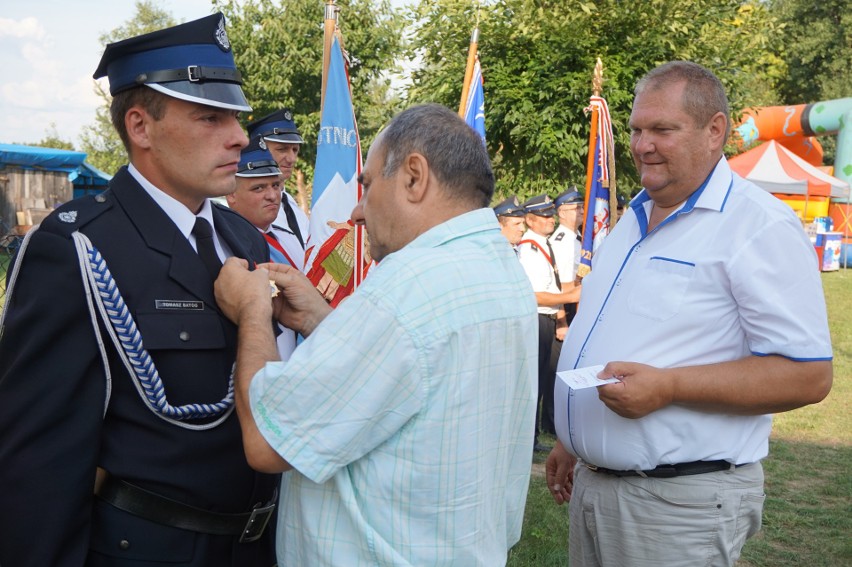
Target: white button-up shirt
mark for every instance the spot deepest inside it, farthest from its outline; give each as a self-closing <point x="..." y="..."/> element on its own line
<point x="536" y="263"/>
<point x="566" y="248"/>
<point x="730" y="274"/>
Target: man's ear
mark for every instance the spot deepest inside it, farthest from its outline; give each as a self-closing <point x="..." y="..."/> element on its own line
<point x="718" y="127"/>
<point x="415" y="170"/>
<point x="136" y="122"/>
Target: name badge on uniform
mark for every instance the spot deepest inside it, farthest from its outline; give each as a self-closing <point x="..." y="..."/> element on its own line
<point x="179" y="305"/>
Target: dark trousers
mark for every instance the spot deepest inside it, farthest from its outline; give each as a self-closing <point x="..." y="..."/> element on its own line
<point x="546" y="374"/>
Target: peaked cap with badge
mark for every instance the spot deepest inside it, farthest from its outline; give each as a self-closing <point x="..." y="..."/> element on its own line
<point x="256" y="161"/>
<point x="510" y="207"/>
<point x="540" y="205"/>
<point x="568" y="197"/>
<point x="277" y="126"/>
<point x="191" y="61"/>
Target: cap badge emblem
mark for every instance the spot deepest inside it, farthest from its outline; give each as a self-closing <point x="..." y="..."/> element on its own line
<point x="262" y="143"/>
<point x="222" y="36"/>
<point x="288" y="115"/>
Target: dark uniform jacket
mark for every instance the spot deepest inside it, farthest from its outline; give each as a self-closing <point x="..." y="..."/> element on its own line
<point x="53" y="431"/>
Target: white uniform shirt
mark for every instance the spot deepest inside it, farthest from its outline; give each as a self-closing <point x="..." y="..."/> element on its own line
<point x="730" y="274"/>
<point x="567" y="249"/>
<point x="301" y="218"/>
<point x="538" y="268"/>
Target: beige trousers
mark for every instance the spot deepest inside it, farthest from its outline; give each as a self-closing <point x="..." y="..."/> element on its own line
<point x="690" y="521"/>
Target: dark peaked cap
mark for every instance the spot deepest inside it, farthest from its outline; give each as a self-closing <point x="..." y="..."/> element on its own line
<point x="540" y="205"/>
<point x="277" y="126"/>
<point x="191" y="61"/>
<point x="510" y="207"/>
<point x="256" y="161"/>
<point x="569" y="197"/>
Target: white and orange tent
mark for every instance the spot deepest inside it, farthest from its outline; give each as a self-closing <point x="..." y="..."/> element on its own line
<point x="776" y="169"/>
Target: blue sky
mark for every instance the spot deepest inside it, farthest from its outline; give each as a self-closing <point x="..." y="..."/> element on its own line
<point x="48" y="52"/>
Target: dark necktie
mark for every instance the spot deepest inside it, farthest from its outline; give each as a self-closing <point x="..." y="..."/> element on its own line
<point x="203" y="233"/>
<point x="291" y="218"/>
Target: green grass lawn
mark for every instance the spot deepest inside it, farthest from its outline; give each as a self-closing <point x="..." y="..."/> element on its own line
<point x="807" y="518"/>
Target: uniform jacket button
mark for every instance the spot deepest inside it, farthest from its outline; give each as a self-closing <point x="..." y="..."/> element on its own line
<point x="124" y="545"/>
<point x="184" y="336"/>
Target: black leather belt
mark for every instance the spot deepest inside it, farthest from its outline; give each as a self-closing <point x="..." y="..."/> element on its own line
<point x="670" y="471"/>
<point x="156" y="508"/>
<point x="548" y="315"/>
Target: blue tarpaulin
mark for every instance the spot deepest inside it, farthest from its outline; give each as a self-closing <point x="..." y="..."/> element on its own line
<point x="84" y="177"/>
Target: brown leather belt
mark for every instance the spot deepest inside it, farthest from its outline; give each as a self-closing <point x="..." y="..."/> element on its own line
<point x="162" y="510"/>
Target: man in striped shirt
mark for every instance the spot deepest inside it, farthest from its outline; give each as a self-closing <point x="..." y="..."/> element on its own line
<point x="406" y="416"/>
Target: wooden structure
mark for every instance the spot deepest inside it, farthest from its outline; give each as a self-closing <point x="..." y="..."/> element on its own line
<point x="35" y="180"/>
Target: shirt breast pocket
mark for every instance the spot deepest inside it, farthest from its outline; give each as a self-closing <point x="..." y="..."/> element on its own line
<point x="659" y="290"/>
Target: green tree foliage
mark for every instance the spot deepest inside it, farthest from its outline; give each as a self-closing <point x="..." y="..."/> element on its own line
<point x="817" y="49"/>
<point x="100" y="140"/>
<point x="278" y="46"/>
<point x="538" y="56"/>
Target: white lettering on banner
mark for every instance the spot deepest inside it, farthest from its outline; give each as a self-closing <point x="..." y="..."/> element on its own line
<point x="337" y="135"/>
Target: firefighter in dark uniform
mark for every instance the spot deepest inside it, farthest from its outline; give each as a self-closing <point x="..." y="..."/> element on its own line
<point x="119" y="442"/>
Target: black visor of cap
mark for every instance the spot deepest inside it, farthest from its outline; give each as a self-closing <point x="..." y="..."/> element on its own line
<point x="284" y="137"/>
<point x="259" y="169"/>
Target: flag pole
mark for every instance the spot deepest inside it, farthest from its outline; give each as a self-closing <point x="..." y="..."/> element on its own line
<point x="597" y="83"/>
<point x="588" y="221"/>
<point x="329" y="25"/>
<point x="468" y="71"/>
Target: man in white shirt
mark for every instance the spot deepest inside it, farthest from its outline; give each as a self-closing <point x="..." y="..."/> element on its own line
<point x="258" y="198"/>
<point x="567" y="246"/>
<point x="538" y="259"/>
<point x="278" y="129"/>
<point x="706" y="303"/>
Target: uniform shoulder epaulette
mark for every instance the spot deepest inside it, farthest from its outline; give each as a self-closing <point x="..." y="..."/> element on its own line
<point x="558" y="237"/>
<point x="532" y="244"/>
<point x="77" y="213"/>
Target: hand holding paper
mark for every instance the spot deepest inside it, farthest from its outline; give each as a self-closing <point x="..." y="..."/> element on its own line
<point x="587" y="377"/>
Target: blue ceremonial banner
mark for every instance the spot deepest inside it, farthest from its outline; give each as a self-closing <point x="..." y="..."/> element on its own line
<point x="334" y="247"/>
<point x="474" y="112"/>
<point x="599" y="180"/>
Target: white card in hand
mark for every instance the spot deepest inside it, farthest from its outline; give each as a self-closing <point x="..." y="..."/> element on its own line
<point x="584" y="377"/>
